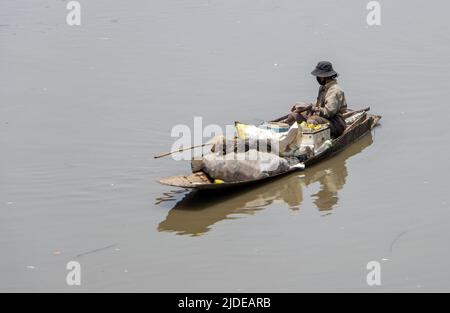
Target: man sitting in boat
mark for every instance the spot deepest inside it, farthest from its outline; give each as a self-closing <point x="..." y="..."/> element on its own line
<point x="330" y="104"/>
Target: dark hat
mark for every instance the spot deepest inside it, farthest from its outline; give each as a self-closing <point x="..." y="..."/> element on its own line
<point x="324" y="69"/>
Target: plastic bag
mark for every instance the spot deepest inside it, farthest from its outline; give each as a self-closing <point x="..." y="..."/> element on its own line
<point x="278" y="141"/>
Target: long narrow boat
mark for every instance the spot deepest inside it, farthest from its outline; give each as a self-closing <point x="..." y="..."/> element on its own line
<point x="201" y="181"/>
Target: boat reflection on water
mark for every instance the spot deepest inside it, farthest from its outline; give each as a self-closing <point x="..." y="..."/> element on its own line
<point x="195" y="213"/>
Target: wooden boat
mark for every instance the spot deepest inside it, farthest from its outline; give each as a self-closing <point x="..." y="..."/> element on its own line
<point x="354" y="131"/>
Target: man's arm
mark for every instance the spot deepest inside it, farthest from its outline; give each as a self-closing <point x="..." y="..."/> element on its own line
<point x="300" y="107"/>
<point x="333" y="100"/>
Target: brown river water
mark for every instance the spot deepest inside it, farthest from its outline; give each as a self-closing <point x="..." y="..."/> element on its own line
<point x="84" y="108"/>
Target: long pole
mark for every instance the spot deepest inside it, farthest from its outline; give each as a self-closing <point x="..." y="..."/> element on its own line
<point x="181" y="150"/>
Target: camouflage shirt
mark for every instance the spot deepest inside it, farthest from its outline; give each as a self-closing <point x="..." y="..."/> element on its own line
<point x="331" y="100"/>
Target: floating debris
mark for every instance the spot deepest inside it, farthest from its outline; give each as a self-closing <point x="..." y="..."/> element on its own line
<point x="96" y="250"/>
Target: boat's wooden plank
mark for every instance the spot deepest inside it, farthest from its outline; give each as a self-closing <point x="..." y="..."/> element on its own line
<point x="376" y="119"/>
<point x="187" y="181"/>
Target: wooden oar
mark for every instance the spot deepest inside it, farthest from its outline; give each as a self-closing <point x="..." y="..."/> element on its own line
<point x="280" y="119"/>
<point x="345" y="115"/>
<point x="181" y="150"/>
<point x="348" y="114"/>
<point x="355" y="123"/>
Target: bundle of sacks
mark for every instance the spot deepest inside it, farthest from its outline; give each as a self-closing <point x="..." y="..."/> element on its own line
<point x="249" y="165"/>
<point x="254" y="154"/>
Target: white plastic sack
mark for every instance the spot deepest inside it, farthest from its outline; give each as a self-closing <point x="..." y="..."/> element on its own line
<point x="243" y="166"/>
<point x="277" y="140"/>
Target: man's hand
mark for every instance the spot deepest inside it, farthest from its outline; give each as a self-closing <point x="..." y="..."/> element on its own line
<point x="300" y="107"/>
<point x="309" y="107"/>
